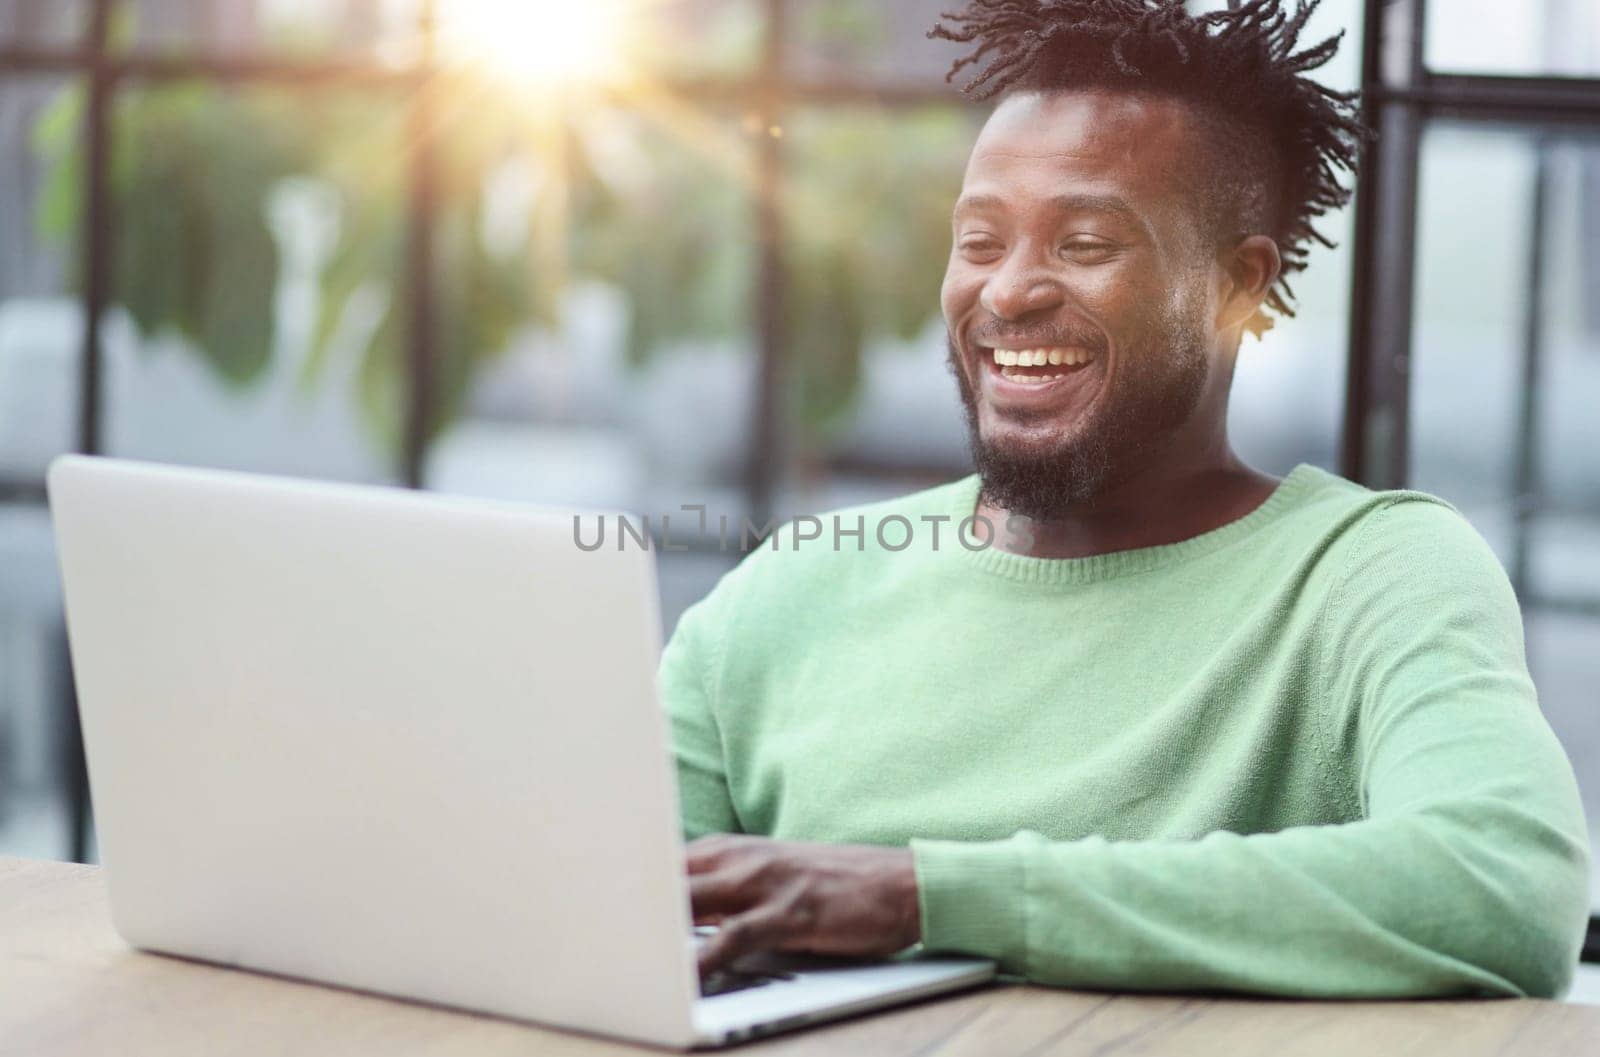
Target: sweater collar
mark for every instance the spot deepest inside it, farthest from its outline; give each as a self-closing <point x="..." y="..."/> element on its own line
<point x="1301" y="481"/>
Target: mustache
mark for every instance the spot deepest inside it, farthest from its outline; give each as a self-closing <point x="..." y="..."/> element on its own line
<point x="1078" y="335"/>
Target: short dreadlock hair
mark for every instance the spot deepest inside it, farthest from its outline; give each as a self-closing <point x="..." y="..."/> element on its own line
<point x="1238" y="69"/>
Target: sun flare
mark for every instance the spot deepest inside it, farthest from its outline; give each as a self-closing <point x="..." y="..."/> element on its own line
<point x="545" y="42"/>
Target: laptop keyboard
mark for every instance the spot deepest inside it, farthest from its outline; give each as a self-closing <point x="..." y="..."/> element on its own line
<point x="727" y="981"/>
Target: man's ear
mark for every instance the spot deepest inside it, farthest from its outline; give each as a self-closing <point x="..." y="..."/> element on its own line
<point x="1252" y="266"/>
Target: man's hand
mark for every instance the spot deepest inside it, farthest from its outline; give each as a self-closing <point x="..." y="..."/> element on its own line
<point x="767" y="895"/>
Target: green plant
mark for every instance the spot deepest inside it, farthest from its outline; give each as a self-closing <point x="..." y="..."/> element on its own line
<point x="865" y="211"/>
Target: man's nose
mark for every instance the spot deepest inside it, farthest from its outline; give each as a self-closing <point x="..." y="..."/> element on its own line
<point x="1022" y="286"/>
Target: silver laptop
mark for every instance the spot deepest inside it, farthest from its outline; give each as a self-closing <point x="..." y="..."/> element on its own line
<point x="401" y="743"/>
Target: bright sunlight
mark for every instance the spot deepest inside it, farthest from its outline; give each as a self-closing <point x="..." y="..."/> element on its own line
<point x="553" y="42"/>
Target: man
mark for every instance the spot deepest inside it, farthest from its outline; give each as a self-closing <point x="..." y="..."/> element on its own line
<point x="1181" y="725"/>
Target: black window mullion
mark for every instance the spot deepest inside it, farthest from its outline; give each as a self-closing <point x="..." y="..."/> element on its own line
<point x="1375" y="436"/>
<point x="422" y="207"/>
<point x="1525" y="486"/>
<point x="95" y="267"/>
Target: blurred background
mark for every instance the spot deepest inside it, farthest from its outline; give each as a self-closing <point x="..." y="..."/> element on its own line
<point x="641" y="253"/>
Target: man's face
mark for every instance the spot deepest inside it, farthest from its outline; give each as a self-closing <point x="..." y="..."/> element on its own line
<point x="1078" y="233"/>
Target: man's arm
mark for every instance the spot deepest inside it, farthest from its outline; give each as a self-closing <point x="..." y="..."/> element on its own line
<point x="686" y="663"/>
<point x="1467" y="874"/>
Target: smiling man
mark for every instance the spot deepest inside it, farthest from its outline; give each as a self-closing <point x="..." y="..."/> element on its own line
<point x="1180" y="724"/>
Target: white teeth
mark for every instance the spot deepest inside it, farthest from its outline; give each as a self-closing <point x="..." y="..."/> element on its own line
<point x="1040" y="357"/>
<point x="1028" y="379"/>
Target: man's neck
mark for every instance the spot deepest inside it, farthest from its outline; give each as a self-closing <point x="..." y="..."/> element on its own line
<point x="1168" y="503"/>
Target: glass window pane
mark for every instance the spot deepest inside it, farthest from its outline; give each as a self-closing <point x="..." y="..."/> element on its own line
<point x="53" y="24"/>
<point x="259" y="302"/>
<point x="1517" y="458"/>
<point x="676" y="37"/>
<point x="873" y="411"/>
<point x="290" y="28"/>
<point x="699" y="38"/>
<point x="41" y="316"/>
<point x="1287" y="401"/>
<point x="41" y="330"/>
<point x="1532" y="37"/>
<point x="872" y="41"/>
<point x="595" y="337"/>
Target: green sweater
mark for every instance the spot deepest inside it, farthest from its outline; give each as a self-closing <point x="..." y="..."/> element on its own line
<point x="1298" y="754"/>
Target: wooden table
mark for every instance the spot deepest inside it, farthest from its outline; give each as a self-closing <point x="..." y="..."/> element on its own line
<point x="69" y="985"/>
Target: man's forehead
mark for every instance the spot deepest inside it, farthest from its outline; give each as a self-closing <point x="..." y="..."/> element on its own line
<point x="1115" y="133"/>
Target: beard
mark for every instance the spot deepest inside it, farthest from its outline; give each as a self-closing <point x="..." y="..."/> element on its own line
<point x="1161" y="378"/>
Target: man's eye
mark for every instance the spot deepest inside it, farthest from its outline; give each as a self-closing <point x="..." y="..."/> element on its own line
<point x="979" y="248"/>
<point x="1089" y="249"/>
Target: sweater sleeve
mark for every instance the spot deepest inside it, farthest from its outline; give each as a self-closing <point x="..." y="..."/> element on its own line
<point x="684" y="679"/>
<point x="1465" y="872"/>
